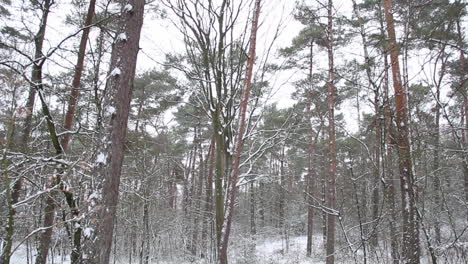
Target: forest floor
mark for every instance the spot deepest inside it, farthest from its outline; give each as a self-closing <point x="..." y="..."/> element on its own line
<point x="267" y="251"/>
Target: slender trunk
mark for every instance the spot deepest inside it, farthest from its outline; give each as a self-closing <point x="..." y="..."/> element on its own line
<point x="410" y="243"/>
<point x="123" y="63"/>
<point x="331" y="186"/>
<point x="220" y="170"/>
<point x="465" y="144"/>
<point x="253" y="228"/>
<point x="281" y="192"/>
<point x="188" y="191"/>
<point x="36" y="75"/>
<point x="198" y="197"/>
<point x="464" y="112"/>
<point x="9" y="228"/>
<point x="232" y="191"/>
<point x="208" y="214"/>
<point x="376" y="179"/>
<point x="75" y="91"/>
<point x="261" y="189"/>
<point x="68" y="124"/>
<point x="144" y="253"/>
<point x="311" y="156"/>
<point x="323" y="180"/>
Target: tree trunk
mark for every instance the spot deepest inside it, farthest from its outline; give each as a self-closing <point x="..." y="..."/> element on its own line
<point x="311" y="174"/>
<point x="75" y="256"/>
<point x="9" y="227"/>
<point x="281" y="191"/>
<point x="197" y="200"/>
<point x="208" y="214"/>
<point x="253" y="227"/>
<point x="323" y="188"/>
<point x="331" y="186"/>
<point x="220" y="170"/>
<point x="75" y="91"/>
<point x="123" y="62"/>
<point x="188" y="192"/>
<point x="232" y="191"/>
<point x="465" y="145"/>
<point x="410" y="243"/>
<point x="464" y="112"/>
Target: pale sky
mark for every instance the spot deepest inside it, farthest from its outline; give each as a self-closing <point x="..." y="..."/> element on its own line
<point x="161" y="36"/>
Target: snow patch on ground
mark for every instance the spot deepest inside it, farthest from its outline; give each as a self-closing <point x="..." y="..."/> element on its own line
<point x="20" y="256"/>
<point x="277" y="251"/>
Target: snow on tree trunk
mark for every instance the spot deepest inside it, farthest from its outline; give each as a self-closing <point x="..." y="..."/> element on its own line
<point x="120" y="86"/>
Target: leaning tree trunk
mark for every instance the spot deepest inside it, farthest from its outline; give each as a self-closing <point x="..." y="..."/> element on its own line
<point x="70" y="198"/>
<point x="410" y="243"/>
<point x="232" y="191"/>
<point x="110" y="158"/>
<point x="331" y="184"/>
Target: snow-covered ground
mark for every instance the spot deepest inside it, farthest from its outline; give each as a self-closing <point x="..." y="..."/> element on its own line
<point x="276" y="251"/>
<point x="20" y="257"/>
<point x="269" y="251"/>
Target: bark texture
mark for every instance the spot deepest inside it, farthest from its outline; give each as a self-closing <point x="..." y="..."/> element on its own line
<point x="120" y="86"/>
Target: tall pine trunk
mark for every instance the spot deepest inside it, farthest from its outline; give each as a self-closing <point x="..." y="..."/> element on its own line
<point x="311" y="172"/>
<point x="410" y="243"/>
<point x="120" y="86"/>
<point x="331" y="183"/>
